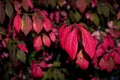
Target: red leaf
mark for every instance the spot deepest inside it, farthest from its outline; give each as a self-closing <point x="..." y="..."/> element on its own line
<point x="26" y="24"/>
<point x="46" y="40"/>
<point x="17" y="22"/>
<point x="57" y="17"/>
<point x="94" y="3"/>
<point x="106" y="63"/>
<point x="81" y="61"/>
<point x="71" y="43"/>
<point x="2" y="13"/>
<point x="37" y="43"/>
<point x="61" y="30"/>
<point x="110" y="65"/>
<point x="116" y="56"/>
<point x="22" y="47"/>
<point x="37" y="23"/>
<point x="62" y="33"/>
<point x="89" y="43"/>
<point x="95" y="61"/>
<point x="43" y="64"/>
<point x="47" y="24"/>
<point x="52" y="15"/>
<point x="30" y="3"/>
<point x="102" y="64"/>
<point x="100" y="50"/>
<point x="36" y="70"/>
<point x="81" y="5"/>
<point x="52" y="36"/>
<point x="17" y="6"/>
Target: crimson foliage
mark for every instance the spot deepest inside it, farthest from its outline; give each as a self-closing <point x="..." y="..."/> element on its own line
<point x="59" y="39"/>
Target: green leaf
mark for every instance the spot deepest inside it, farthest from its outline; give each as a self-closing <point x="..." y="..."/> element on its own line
<point x="9" y="9"/>
<point x="56" y="64"/>
<point x="2" y="31"/>
<point x="88" y="2"/>
<point x="12" y="53"/>
<point x="52" y="3"/>
<point x="21" y="56"/>
<point x="117" y="24"/>
<point x="45" y="2"/>
<point x="60" y="2"/>
<point x="99" y="9"/>
<point x="106" y="10"/>
<point x="95" y="19"/>
<point x="71" y="16"/>
<point x="112" y="10"/>
<point x="77" y="16"/>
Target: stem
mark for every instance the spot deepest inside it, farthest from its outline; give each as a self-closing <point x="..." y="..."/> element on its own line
<point x="27" y="14"/>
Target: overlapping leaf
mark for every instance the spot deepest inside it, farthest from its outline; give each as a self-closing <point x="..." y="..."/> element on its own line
<point x="22" y="47"/>
<point x="81" y="61"/>
<point x="89" y="43"/>
<point x="63" y="32"/>
<point x="71" y="44"/>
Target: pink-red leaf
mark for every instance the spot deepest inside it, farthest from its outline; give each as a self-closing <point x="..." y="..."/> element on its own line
<point x="52" y="36"/>
<point x="57" y="17"/>
<point x="37" y="23"/>
<point x="102" y="64"/>
<point x="37" y="43"/>
<point x="17" y="22"/>
<point x="47" y="24"/>
<point x="81" y="5"/>
<point x="71" y="44"/>
<point x="62" y="33"/>
<point x="36" y="70"/>
<point x="30" y="3"/>
<point x="22" y="47"/>
<point x="116" y="56"/>
<point x="81" y="61"/>
<point x="26" y="24"/>
<point x="89" y="43"/>
<point x="46" y="40"/>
